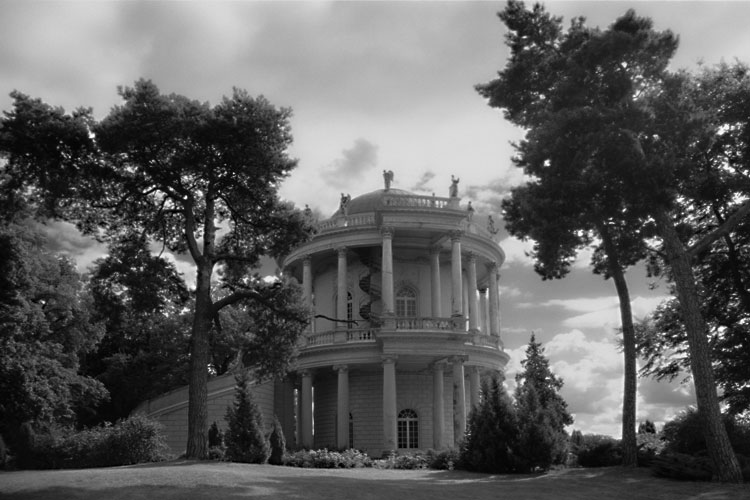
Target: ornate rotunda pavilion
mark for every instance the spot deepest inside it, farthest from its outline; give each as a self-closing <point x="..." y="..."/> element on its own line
<point x="405" y="323"/>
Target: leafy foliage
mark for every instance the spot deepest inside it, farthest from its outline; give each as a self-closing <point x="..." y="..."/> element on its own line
<point x="630" y="148"/>
<point x="130" y="441"/>
<point x="201" y="180"/>
<point x="45" y="329"/>
<point x="598" y="451"/>
<point x="244" y="436"/>
<point x="328" y="459"/>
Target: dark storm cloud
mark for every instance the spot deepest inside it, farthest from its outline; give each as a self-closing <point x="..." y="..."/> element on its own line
<point x="352" y="165"/>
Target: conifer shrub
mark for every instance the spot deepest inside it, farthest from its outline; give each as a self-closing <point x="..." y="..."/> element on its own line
<point x="491" y="435"/>
<point x="216" y="448"/>
<point x="244" y="437"/>
<point x="446" y="459"/>
<point x="277" y="443"/>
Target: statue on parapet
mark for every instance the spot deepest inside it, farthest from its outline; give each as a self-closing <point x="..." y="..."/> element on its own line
<point x="345" y="199"/>
<point x="387" y="178"/>
<point x="470" y="209"/>
<point x="491" y="225"/>
<point x="453" y="190"/>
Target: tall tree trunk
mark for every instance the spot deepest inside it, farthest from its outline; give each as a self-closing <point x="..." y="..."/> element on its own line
<point x="726" y="467"/>
<point x="629" y="442"/>
<point x="197" y="443"/>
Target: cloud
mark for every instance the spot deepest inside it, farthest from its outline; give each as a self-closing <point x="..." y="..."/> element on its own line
<point x="423" y="184"/>
<point x="64" y="238"/>
<point x="352" y="165"/>
<point x="516" y="251"/>
<point x="605" y="311"/>
<point x="592" y="372"/>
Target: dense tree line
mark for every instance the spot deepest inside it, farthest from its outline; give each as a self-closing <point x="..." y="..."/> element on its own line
<point x="631" y="158"/>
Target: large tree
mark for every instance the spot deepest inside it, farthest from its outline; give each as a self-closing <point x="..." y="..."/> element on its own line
<point x="636" y="138"/>
<point x="202" y="180"/>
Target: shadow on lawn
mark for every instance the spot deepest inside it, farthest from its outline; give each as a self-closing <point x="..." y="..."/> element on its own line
<point x="212" y="480"/>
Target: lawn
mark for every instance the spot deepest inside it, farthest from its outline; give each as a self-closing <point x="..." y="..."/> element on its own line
<point x="188" y="480"/>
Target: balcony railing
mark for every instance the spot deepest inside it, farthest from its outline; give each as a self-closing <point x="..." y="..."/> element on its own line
<point x="415" y="324"/>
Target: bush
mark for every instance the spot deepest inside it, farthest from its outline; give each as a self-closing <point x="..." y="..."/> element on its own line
<point x="215" y="436"/>
<point x="407" y="461"/>
<point x="328" y="459"/>
<point x="682" y="466"/>
<point x="130" y="441"/>
<point x="3" y="452"/>
<point x="244" y="438"/>
<point x="444" y="459"/>
<point x="278" y="444"/>
<point x="649" y="447"/>
<point x="684" y="434"/>
<point x="598" y="451"/>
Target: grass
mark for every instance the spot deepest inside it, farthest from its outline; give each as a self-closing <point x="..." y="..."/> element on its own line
<point x="191" y="480"/>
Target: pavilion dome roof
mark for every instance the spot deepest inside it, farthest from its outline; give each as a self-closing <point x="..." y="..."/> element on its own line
<point x="372" y="201"/>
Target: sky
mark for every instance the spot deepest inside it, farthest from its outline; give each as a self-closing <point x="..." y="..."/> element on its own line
<point x="373" y="86"/>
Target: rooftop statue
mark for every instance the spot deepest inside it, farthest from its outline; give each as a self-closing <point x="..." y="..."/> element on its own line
<point x="388" y="178"/>
<point x="453" y="190"/>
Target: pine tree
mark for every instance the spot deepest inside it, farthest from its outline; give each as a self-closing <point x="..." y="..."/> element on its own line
<point x="542" y="413"/>
<point x="244" y="438"/>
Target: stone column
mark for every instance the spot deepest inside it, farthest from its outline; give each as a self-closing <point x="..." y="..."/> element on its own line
<point x="435" y="281"/>
<point x="483" y="311"/>
<point x="459" y="400"/>
<point x="474" y="386"/>
<point x="307" y="287"/>
<point x="438" y="405"/>
<point x="306" y="409"/>
<point x="342" y="290"/>
<point x="494" y="328"/>
<point x="389" y="404"/>
<point x="387" y="271"/>
<point x="473" y="303"/>
<point x="456" y="293"/>
<point x="342" y="422"/>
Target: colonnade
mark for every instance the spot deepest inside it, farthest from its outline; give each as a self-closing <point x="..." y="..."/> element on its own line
<point x="390" y="409"/>
<point x="483" y="311"/>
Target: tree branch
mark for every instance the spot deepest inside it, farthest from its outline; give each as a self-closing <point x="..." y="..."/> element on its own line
<point x="705" y="242"/>
<point x="239" y="295"/>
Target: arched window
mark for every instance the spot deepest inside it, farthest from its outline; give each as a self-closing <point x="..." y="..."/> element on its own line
<point x="406" y="302"/>
<point x="349" y="306"/>
<point x="408" y="429"/>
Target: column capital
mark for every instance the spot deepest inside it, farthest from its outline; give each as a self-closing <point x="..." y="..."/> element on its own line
<point x="387" y="231"/>
<point x="341" y="368"/>
<point x="390" y="359"/>
<point x="305" y="373"/>
<point x="307" y="259"/>
<point x="435" y="249"/>
<point x="459" y="359"/>
<point x="471" y="256"/>
<point x="341" y="251"/>
<point x="491" y="266"/>
<point x="482" y="290"/>
<point x="455" y="235"/>
<point x="439" y="365"/>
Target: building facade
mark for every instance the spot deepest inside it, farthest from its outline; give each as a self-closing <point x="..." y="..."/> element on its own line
<point x="405" y="323"/>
